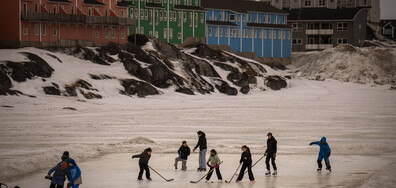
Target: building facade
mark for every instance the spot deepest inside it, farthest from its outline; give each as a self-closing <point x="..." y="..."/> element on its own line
<point x="248" y="27"/>
<point x="372" y="5"/>
<point x="322" y="28"/>
<point x="388" y="29"/>
<point x="173" y="21"/>
<point x="45" y="23"/>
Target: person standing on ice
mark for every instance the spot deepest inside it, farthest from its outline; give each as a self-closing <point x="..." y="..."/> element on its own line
<point x="213" y="163"/>
<point x="271" y="154"/>
<point x="184" y="152"/>
<point x="58" y="178"/>
<point x="73" y="170"/>
<point x="324" y="153"/>
<point x="246" y="161"/>
<point x="144" y="158"/>
<point x="202" y="151"/>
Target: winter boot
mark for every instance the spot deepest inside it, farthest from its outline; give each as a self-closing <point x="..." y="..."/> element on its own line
<point x="268" y="173"/>
<point x="253" y="181"/>
<point x="319" y="170"/>
<point x="140" y="179"/>
<point x="275" y="173"/>
<point x="149" y="179"/>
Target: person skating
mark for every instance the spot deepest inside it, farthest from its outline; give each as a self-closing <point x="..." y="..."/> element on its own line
<point x="74" y="171"/>
<point x="144" y="158"/>
<point x="246" y="160"/>
<point x="202" y="151"/>
<point x="59" y="175"/>
<point x="184" y="152"/>
<point x="324" y="153"/>
<point x="214" y="163"/>
<point x="271" y="154"/>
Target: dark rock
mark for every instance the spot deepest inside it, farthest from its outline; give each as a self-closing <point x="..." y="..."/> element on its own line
<point x="101" y="77"/>
<point x="392" y="88"/>
<point x="88" y="54"/>
<point x="69" y="108"/>
<point x="55" y="85"/>
<point x="140" y="39"/>
<point x="275" y="82"/>
<point x="53" y="56"/>
<point x="83" y="84"/>
<point x="71" y="91"/>
<point x="225" y="88"/>
<point x="288" y="77"/>
<point x="111" y="48"/>
<point x="245" y="90"/>
<point x="6" y="106"/>
<point x="90" y="95"/>
<point x="205" y="52"/>
<point x="5" y="82"/>
<point x="168" y="50"/>
<point x="276" y="65"/>
<point x="134" y="87"/>
<point x="226" y="67"/>
<point x="51" y="90"/>
<point x="185" y="91"/>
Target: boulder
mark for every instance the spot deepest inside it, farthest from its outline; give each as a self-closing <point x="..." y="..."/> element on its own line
<point x="90" y="95"/>
<point x="51" y="90"/>
<point x="5" y="82"/>
<point x="225" y="88"/>
<point x="135" y="87"/>
<point x="140" y="39"/>
<point x="275" y="82"/>
<point x="185" y="91"/>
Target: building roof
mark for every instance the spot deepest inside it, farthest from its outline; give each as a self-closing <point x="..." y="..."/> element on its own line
<point x="154" y="5"/>
<point x="267" y="25"/>
<point x="60" y="1"/>
<point x="183" y="7"/>
<point x="322" y="14"/>
<point x="384" y="22"/>
<point x="240" y="6"/>
<point x="220" y="23"/>
<point x="124" y="4"/>
<point x="93" y="2"/>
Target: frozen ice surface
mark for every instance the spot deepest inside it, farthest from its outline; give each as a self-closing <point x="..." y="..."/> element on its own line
<point x="358" y="120"/>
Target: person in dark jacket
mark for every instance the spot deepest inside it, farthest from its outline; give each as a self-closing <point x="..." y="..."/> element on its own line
<point x="184" y="152"/>
<point x="324" y="153"/>
<point x="271" y="154"/>
<point x="246" y="161"/>
<point x="73" y="170"/>
<point x="202" y="151"/>
<point x="59" y="175"/>
<point x="143" y="163"/>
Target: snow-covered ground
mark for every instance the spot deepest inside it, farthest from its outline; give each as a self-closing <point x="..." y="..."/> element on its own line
<point x="358" y="120"/>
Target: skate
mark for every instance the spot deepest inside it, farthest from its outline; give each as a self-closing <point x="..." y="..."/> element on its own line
<point x="149" y="179"/>
<point x="140" y="179"/>
<point x="175" y="167"/>
<point x="199" y="170"/>
<point x="268" y="173"/>
<point x="238" y="180"/>
<point x="319" y="170"/>
<point x="252" y="181"/>
<point x="329" y="169"/>
<point x="207" y="181"/>
<point x="220" y="181"/>
<point x="275" y="173"/>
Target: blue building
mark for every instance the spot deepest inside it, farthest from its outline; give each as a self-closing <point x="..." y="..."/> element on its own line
<point x="248" y="26"/>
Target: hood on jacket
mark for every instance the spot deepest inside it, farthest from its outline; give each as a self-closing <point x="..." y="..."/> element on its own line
<point x="72" y="162"/>
<point x="323" y="139"/>
<point x="203" y="135"/>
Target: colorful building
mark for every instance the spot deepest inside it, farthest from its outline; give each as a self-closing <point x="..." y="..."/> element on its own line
<point x="248" y="27"/>
<point x="45" y="23"/>
<point x="173" y="21"/>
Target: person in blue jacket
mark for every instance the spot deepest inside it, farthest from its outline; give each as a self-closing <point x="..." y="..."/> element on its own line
<point x="58" y="178"/>
<point x="75" y="174"/>
<point x="324" y="153"/>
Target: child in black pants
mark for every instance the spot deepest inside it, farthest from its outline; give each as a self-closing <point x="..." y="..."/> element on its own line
<point x="214" y="163"/>
<point x="143" y="163"/>
<point x="246" y="160"/>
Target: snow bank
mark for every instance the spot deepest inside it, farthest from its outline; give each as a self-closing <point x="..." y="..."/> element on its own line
<point x="349" y="64"/>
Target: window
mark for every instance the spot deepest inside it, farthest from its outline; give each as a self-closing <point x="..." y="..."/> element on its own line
<point x="24" y="7"/>
<point x="150" y="33"/>
<point x="151" y="17"/>
<point x="196" y="20"/>
<point x="165" y="14"/>
<point x="156" y="18"/>
<point x="90" y="11"/>
<point x="307" y="3"/>
<point x="274" y="35"/>
<point x="363" y="2"/>
<point x="146" y="14"/>
<point x="322" y="3"/>
<point x="232" y="18"/>
<point x="260" y="34"/>
<point x="161" y="15"/>
<point x="156" y="34"/>
<point x="122" y="35"/>
<point x="97" y="34"/>
<point x="221" y="17"/>
<point x="44" y="30"/>
<point x="196" y="2"/>
<point x="25" y="31"/>
<point x="296" y="26"/>
<point x="131" y="13"/>
<point x="142" y="30"/>
<point x="165" y="33"/>
<point x="232" y="32"/>
<point x="255" y="34"/>
<point x="72" y="10"/>
<point x="288" y="35"/>
<point x="342" y="26"/>
<point x="235" y="33"/>
<point x="179" y="35"/>
<point x="55" y="32"/>
<point x="239" y="33"/>
<point x="170" y="33"/>
<point x="185" y="17"/>
<point x="227" y="35"/>
<point x="360" y="26"/>
<point x="55" y="7"/>
<point x="221" y="32"/>
<point x="179" y="20"/>
<point x="297" y="41"/>
<point x="191" y="19"/>
<point x="269" y="19"/>
<point x="225" y="16"/>
<point x="265" y="34"/>
<point x="202" y="17"/>
<point x="107" y="32"/>
<point x="36" y="7"/>
<point x="113" y="33"/>
<point x="342" y="41"/>
<point x="284" y="35"/>
<point x="210" y="31"/>
<point x="279" y="34"/>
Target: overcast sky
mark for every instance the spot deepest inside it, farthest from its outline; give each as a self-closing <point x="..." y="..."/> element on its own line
<point x="388" y="9"/>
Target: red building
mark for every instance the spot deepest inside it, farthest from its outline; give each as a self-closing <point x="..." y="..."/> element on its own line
<point x="46" y="23"/>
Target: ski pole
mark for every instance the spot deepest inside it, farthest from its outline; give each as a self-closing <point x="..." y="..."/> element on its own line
<point x="168" y="180"/>
<point x="234" y="173"/>
<point x="205" y="175"/>
<point x="255" y="163"/>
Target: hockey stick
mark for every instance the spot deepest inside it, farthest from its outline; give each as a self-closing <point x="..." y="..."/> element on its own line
<point x="205" y="175"/>
<point x="160" y="175"/>
<point x="234" y="173"/>
<point x="255" y="163"/>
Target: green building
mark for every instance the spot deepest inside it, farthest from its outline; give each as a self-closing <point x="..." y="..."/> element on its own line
<point x="173" y="21"/>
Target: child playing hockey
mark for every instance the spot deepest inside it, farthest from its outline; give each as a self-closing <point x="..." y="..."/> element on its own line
<point x="324" y="153"/>
<point x="143" y="163"/>
<point x="271" y="154"/>
<point x="184" y="152"/>
<point x="58" y="178"/>
<point x="246" y="161"/>
<point x="75" y="174"/>
<point x="213" y="163"/>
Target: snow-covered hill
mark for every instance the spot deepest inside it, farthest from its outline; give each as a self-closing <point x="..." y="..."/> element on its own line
<point x="348" y="64"/>
<point x="155" y="68"/>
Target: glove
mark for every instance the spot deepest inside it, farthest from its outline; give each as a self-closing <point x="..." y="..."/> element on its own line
<point x="49" y="177"/>
<point x="69" y="184"/>
<point x="265" y="154"/>
<point x="311" y="143"/>
<point x="274" y="154"/>
<point x="217" y="166"/>
<point x="133" y="157"/>
<point x="208" y="164"/>
<point x="193" y="150"/>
